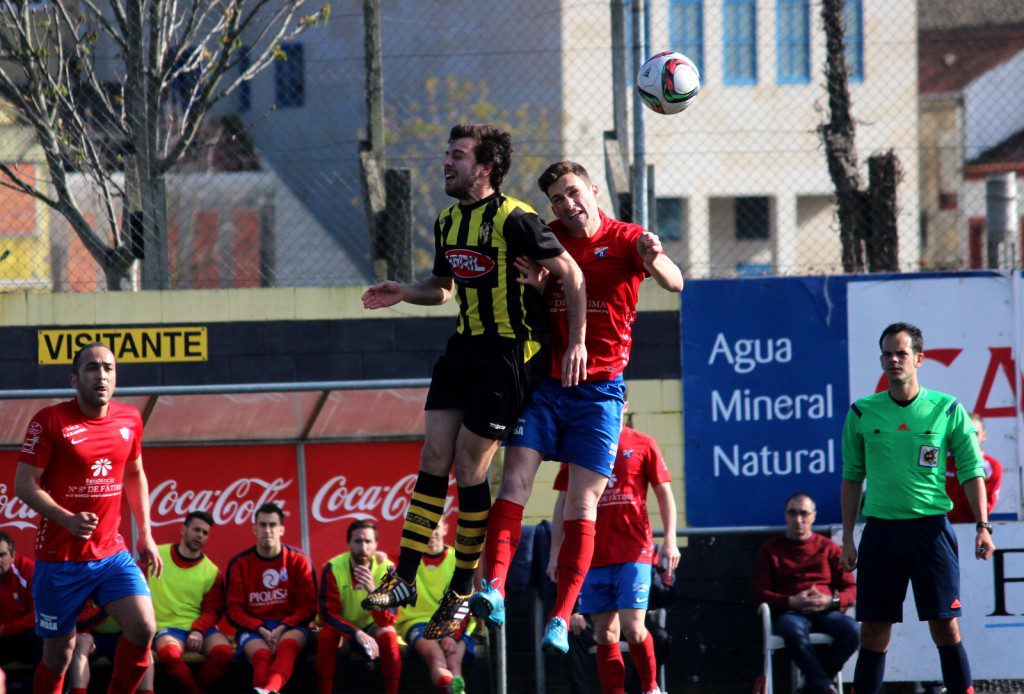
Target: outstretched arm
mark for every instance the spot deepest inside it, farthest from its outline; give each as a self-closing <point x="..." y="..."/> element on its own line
<point x="431" y="291"/>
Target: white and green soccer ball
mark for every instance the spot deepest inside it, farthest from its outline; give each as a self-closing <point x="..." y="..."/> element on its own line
<point x="668" y="82"/>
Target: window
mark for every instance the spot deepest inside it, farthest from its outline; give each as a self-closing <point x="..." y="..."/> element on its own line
<point x="753" y="269"/>
<point x="245" y="88"/>
<point x="739" y="41"/>
<point x="668" y="212"/>
<point x="290" y="76"/>
<point x="752" y="219"/>
<point x="686" y="30"/>
<point x="854" y="17"/>
<point x="793" y="41"/>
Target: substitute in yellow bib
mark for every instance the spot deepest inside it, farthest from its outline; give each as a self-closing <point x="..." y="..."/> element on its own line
<point x="188" y="601"/>
<point x="344" y="582"/>
<point x="443" y="656"/>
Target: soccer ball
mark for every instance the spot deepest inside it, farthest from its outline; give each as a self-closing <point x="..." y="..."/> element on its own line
<point x="668" y="82"/>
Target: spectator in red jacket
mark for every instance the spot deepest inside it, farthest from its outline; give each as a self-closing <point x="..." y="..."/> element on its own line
<point x="271" y="598"/>
<point x="962" y="512"/>
<point x="798" y="574"/>
<point x="18" y="640"/>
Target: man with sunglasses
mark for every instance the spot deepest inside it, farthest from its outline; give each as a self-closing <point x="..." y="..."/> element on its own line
<point x="799" y="575"/>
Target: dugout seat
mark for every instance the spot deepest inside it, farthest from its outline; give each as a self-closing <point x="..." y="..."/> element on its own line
<point x="773" y="643"/>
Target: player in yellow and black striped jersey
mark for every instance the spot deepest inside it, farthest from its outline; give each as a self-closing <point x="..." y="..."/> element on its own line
<point x="491" y="362"/>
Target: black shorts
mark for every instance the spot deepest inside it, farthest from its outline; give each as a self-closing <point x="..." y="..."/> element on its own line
<point x="489" y="379"/>
<point x="922" y="551"/>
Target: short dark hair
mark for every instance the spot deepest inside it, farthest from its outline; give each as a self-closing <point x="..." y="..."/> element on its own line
<point x="6" y="537"/>
<point x="559" y="169"/>
<point x="78" y="354"/>
<point x="269" y="507"/>
<point x="801" y="495"/>
<point x="914" y="332"/>
<point x="495" y="147"/>
<point x="360" y="525"/>
<point x="199" y="515"/>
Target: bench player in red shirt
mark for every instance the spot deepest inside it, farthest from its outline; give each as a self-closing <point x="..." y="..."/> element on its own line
<point x="79" y="459"/>
<point x="577" y="425"/>
<point x="271" y="598"/>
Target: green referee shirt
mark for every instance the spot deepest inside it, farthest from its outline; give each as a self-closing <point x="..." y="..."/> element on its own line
<point x="901" y="451"/>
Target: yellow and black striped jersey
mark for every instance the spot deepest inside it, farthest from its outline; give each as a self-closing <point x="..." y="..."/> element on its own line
<point x="476" y="245"/>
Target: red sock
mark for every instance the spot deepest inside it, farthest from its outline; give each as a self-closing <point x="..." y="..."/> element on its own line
<point x="79" y="690"/>
<point x="170" y="658"/>
<point x="390" y="660"/>
<point x="284" y="662"/>
<point x="130" y="664"/>
<point x="260" y="661"/>
<point x="442" y="683"/>
<point x="326" y="659"/>
<point x="573" y="562"/>
<point x="504" y="528"/>
<point x="646" y="665"/>
<point x="218" y="660"/>
<point x="46" y="681"/>
<point x="611" y="670"/>
<point x="145" y="691"/>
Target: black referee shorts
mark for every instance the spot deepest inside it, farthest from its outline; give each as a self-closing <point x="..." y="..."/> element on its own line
<point x="922" y="551"/>
<point x="488" y="378"/>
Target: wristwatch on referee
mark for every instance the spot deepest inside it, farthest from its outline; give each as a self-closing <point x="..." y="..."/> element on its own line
<point x="982" y="524"/>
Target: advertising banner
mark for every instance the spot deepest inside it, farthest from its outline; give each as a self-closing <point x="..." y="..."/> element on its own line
<point x="355" y="481"/>
<point x="764" y="382"/>
<point x="16" y="519"/>
<point x="229" y="483"/>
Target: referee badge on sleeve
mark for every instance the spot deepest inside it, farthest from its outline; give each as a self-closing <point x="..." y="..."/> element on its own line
<point x="929" y="456"/>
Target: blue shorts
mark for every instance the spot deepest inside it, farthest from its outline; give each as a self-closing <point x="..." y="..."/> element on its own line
<point x="922" y="551"/>
<point x="415" y="633"/>
<point x="60" y="589"/>
<point x="616" y="587"/>
<point x="244" y="637"/>
<point x="578" y="425"/>
<point x="181" y="634"/>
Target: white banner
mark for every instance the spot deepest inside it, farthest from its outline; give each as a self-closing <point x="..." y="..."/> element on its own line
<point x="969" y="325"/>
<point x="992" y="625"/>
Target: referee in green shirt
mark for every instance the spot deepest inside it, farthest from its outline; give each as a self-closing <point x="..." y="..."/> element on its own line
<point x="897" y="440"/>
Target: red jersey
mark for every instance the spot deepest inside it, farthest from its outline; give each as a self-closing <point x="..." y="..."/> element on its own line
<point x="962" y="512"/>
<point x="623" y="528"/>
<point x="17" y="610"/>
<point x="83" y="463"/>
<point x="613" y="271"/>
<point x="261" y="590"/>
<point x="785" y="567"/>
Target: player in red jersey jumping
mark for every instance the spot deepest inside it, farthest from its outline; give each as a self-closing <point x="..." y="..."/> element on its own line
<point x="271" y="598"/>
<point x="578" y="425"/>
<point x="79" y="459"/>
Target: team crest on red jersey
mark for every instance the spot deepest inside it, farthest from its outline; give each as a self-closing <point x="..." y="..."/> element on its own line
<point x="467" y="264"/>
<point x="601" y="252"/>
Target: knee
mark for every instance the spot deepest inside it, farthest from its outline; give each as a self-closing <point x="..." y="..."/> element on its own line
<point x="874" y="636"/>
<point x="582" y="506"/>
<point x="945" y="632"/>
<point x="606" y="636"/>
<point x="514" y="488"/>
<point x="435" y="458"/>
<point x="57" y="653"/>
<point x="790" y="626"/>
<point x="140" y="632"/>
<point x="634" y="633"/>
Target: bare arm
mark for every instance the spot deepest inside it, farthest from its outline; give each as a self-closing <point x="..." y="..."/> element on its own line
<point x="556" y="535"/>
<point x="669" y="559"/>
<point x="136" y="491"/>
<point x="850" y="498"/>
<point x="574" y="362"/>
<point x="431" y="291"/>
<point x="974" y="489"/>
<point x="28" y="489"/>
<point x="665" y="272"/>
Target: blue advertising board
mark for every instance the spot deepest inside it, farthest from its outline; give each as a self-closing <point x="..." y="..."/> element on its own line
<point x="766" y="389"/>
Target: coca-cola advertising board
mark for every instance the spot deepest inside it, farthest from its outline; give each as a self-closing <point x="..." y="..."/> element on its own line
<point x="16" y="519"/>
<point x="229" y="483"/>
<point x="351" y="481"/>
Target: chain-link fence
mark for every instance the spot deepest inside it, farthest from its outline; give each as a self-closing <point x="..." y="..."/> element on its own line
<point x="282" y="181"/>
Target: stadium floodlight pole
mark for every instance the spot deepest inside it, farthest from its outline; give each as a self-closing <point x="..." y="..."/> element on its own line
<point x="639" y="197"/>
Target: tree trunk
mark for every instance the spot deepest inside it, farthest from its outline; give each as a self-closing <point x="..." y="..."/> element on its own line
<point x="884" y="176"/>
